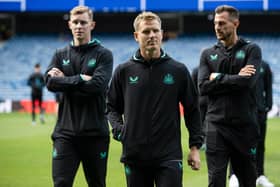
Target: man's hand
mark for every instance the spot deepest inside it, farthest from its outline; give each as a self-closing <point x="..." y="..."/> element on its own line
<point x="247" y="70"/>
<point x="213" y="76"/>
<point x="86" y="77"/>
<point x="194" y="158"/>
<point x="55" y="72"/>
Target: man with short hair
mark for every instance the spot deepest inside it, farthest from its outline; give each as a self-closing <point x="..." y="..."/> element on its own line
<point x="36" y="82"/>
<point x="227" y="75"/>
<point x="143" y="108"/>
<point x="80" y="72"/>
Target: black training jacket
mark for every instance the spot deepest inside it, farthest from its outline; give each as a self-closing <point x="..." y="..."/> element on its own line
<point x="232" y="98"/>
<point x="36" y="82"/>
<point x="143" y="109"/>
<point x="82" y="107"/>
<point x="264" y="88"/>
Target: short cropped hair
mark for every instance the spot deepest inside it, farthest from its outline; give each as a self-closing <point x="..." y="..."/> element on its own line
<point x="145" y="16"/>
<point x="232" y="11"/>
<point x="80" y="10"/>
<point x="37" y="65"/>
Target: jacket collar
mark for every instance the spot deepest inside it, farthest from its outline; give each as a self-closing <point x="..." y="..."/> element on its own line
<point x="138" y="58"/>
<point x="240" y="42"/>
<point x="92" y="43"/>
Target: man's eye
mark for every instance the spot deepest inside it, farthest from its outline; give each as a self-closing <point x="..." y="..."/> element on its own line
<point x="79" y="22"/>
<point x="146" y="32"/>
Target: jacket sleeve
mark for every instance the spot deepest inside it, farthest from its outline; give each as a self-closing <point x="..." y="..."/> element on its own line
<point x="100" y="77"/>
<point x="195" y="76"/>
<point x="42" y="81"/>
<point x="115" y="105"/>
<point x="60" y="84"/>
<point x="189" y="100"/>
<point x="228" y="83"/>
<point x="268" y="87"/>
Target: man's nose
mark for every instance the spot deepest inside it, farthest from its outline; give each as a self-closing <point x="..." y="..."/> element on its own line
<point x="152" y="34"/>
<point x="79" y="24"/>
<point x="217" y="26"/>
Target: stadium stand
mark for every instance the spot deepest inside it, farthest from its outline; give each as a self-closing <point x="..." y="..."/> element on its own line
<point x="20" y="53"/>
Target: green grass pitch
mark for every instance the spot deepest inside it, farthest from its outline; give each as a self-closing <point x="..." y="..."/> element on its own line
<point x="25" y="155"/>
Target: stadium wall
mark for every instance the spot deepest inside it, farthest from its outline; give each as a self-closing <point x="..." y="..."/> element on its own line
<point x="180" y="23"/>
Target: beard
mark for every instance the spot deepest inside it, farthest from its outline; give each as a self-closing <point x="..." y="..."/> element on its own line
<point x="223" y="36"/>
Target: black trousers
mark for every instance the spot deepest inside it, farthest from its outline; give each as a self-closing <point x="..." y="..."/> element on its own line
<point x="218" y="154"/>
<point x="203" y="111"/>
<point x="262" y="117"/>
<point x="35" y="98"/>
<point x="68" y="152"/>
<point x="163" y="174"/>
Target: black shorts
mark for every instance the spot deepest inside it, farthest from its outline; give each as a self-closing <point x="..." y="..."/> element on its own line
<point x="37" y="97"/>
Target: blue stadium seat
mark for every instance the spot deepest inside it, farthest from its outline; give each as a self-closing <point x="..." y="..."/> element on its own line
<point x="19" y="54"/>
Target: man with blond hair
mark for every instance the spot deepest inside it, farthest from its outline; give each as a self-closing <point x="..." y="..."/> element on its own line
<point x="143" y="108"/>
<point x="80" y="72"/>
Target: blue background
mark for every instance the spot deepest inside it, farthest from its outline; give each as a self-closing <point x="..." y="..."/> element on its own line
<point x="132" y="5"/>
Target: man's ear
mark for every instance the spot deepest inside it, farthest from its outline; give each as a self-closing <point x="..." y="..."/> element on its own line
<point x="69" y="24"/>
<point x="236" y="23"/>
<point x="135" y="36"/>
<point x="93" y="23"/>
